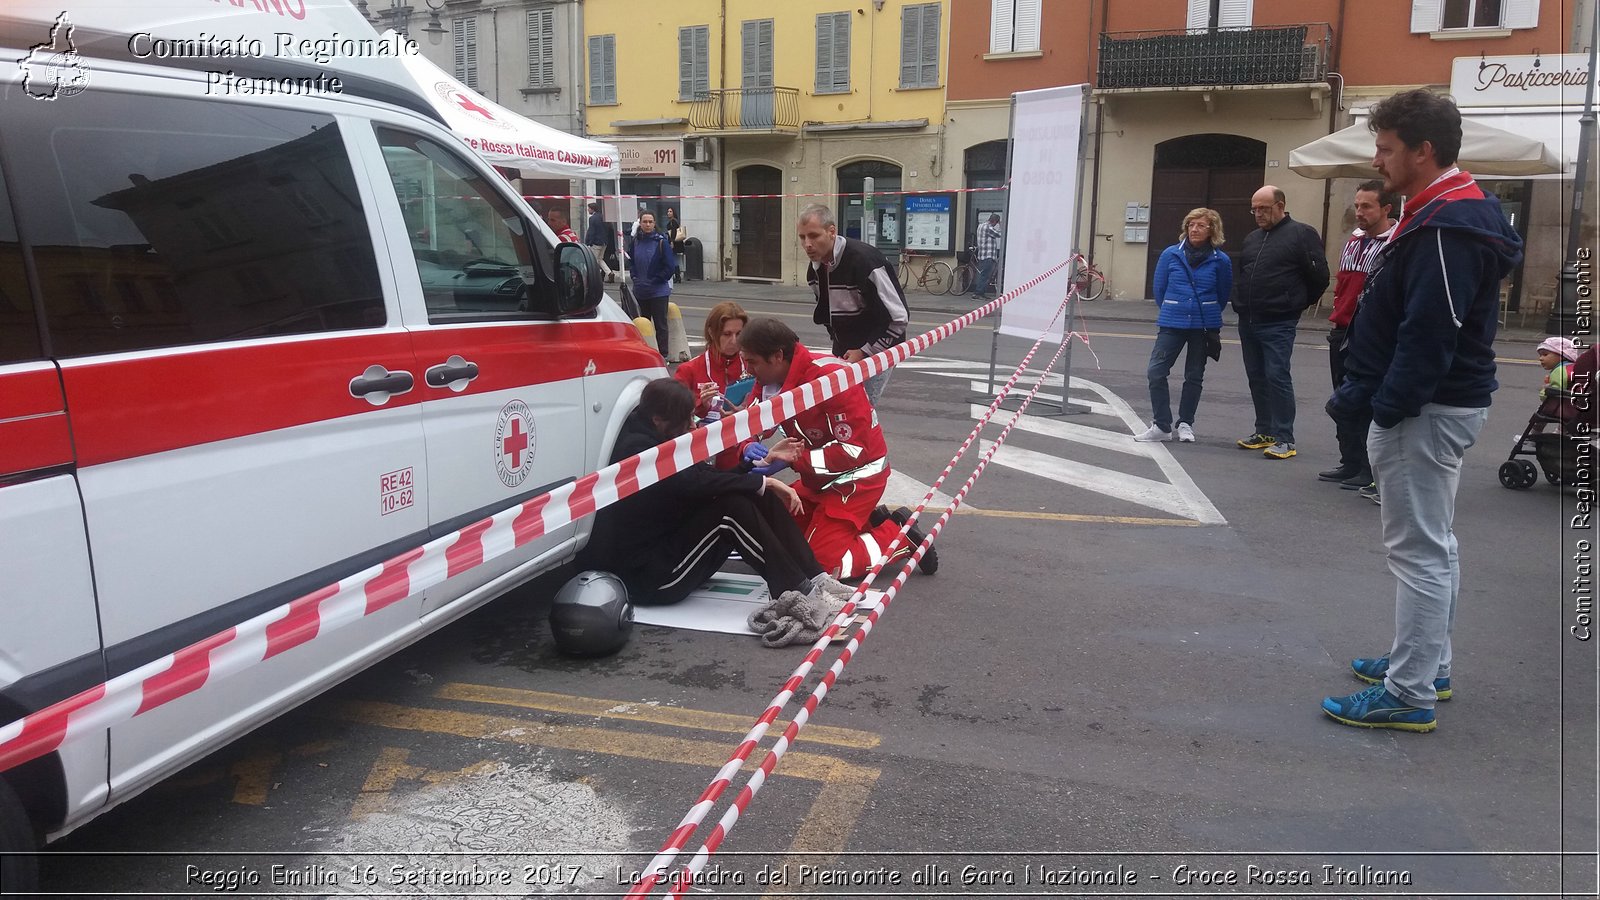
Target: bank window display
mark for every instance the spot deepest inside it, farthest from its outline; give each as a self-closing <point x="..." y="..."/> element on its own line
<point x="884" y="225"/>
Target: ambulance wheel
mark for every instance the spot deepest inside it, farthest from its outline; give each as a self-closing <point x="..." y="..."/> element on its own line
<point x="19" y="873"/>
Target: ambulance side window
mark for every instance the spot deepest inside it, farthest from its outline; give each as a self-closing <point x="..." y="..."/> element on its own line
<point x="19" y="327"/>
<point x="474" y="251"/>
<point x="159" y="221"/>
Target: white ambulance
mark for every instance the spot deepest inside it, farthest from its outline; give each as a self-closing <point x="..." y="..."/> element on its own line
<point x="256" y="335"/>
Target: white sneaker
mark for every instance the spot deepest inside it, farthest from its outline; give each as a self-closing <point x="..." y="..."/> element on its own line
<point x="1185" y="433"/>
<point x="1153" y="434"/>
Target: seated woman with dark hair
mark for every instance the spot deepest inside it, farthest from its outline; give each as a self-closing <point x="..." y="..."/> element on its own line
<point x="667" y="539"/>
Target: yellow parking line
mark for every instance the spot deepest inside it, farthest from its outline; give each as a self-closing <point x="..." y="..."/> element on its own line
<point x="1062" y="517"/>
<point x="1078" y="517"/>
<point x="643" y="712"/>
<point x="826" y="825"/>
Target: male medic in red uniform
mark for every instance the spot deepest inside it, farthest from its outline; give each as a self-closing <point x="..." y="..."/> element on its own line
<point x="838" y="451"/>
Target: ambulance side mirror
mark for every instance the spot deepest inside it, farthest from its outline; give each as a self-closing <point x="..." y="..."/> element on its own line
<point x="579" y="287"/>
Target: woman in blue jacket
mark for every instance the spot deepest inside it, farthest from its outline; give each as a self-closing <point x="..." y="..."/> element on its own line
<point x="1192" y="280"/>
<point x="651" y="265"/>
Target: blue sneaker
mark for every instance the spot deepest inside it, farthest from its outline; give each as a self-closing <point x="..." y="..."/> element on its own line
<point x="1375" y="707"/>
<point x="1372" y="671"/>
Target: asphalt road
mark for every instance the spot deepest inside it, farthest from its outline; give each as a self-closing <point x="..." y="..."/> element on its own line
<point x="1110" y="687"/>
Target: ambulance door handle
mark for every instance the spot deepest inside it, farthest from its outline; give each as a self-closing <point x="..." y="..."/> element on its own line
<point x="453" y="373"/>
<point x="377" y="384"/>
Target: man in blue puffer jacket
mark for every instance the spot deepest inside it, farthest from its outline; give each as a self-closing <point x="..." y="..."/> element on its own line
<point x="1192" y="281"/>
<point x="1420" y="357"/>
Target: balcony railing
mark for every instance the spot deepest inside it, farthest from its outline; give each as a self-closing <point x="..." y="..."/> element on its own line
<point x="756" y="110"/>
<point x="1290" y="54"/>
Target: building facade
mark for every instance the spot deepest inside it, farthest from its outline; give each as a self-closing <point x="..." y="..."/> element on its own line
<point x="525" y="56"/>
<point x="730" y="100"/>
<point x="1199" y="102"/>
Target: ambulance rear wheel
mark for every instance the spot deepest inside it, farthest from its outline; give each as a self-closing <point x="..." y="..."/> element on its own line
<point x="19" y="874"/>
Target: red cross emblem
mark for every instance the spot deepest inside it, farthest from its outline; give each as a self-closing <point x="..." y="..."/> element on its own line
<point x="465" y="102"/>
<point x="514" y="443"/>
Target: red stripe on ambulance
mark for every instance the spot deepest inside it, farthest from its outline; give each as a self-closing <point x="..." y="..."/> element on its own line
<point x="132" y="407"/>
<point x="34" y="432"/>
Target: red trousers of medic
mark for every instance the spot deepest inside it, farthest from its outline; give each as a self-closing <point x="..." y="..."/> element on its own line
<point x="836" y="523"/>
<point x="843" y="470"/>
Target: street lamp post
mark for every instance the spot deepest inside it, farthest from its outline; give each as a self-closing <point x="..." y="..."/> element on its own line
<point x="399" y="18"/>
<point x="1564" y="316"/>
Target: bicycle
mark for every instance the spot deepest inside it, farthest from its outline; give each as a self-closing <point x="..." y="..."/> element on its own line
<point x="1087" y="279"/>
<point x="934" y="277"/>
<point x="965" y="274"/>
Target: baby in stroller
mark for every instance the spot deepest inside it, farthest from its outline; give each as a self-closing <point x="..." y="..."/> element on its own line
<point x="1549" y="436"/>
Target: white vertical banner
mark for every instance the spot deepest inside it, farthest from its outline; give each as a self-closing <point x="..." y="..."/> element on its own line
<point x="1042" y="204"/>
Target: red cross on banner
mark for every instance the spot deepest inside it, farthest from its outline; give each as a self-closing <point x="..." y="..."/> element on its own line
<point x="465" y="102"/>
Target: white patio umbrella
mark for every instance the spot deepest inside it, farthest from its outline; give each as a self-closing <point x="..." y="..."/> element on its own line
<point x="1485" y="150"/>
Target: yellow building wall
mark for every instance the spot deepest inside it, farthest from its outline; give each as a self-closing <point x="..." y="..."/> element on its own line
<point x="647" y="59"/>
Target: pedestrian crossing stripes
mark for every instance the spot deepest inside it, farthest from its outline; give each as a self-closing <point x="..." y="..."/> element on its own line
<point x="1064" y="458"/>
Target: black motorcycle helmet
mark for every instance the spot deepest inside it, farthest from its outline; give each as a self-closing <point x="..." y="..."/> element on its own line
<point x="591" y="615"/>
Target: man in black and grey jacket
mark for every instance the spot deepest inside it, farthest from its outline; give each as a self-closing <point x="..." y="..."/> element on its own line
<point x="858" y="298"/>
<point x="1283" y="269"/>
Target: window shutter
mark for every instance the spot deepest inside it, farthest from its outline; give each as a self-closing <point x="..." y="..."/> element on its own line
<point x="747" y="55"/>
<point x="764" y="48"/>
<point x="597" y="68"/>
<point x="610" y="45"/>
<point x="541" y="47"/>
<point x="603" y="68"/>
<point x="824" y="83"/>
<point x="930" y="45"/>
<point x="841" y="51"/>
<point x="1199" y="15"/>
<point x="702" y="60"/>
<point x="833" y="53"/>
<point x="910" y="32"/>
<point x="1002" y="35"/>
<point x="1520" y="14"/>
<point x="1027" y="25"/>
<point x="466" y="56"/>
<point x="1425" y="15"/>
<point x="686" y="42"/>
<point x="1235" y="14"/>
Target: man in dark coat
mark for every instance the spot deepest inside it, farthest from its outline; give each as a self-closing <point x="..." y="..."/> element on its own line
<point x="1282" y="270"/>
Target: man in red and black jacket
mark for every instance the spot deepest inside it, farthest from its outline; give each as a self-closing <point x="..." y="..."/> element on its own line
<point x="838" y="450"/>
<point x="1375" y="212"/>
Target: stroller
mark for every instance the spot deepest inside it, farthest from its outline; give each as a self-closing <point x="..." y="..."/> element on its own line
<point x="1548" y="441"/>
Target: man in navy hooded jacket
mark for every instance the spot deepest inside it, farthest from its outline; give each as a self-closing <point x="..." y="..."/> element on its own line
<point x="1420" y="357"/>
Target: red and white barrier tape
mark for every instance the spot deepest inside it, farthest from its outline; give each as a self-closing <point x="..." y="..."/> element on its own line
<point x="695" y="817"/>
<point x="275" y="631"/>
<point x="642" y="198"/>
<point x="759" y="777"/>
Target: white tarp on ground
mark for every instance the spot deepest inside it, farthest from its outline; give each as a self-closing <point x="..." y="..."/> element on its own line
<point x="505" y="138"/>
<point x="1485" y="150"/>
<point x="723" y="604"/>
<point x="1046" y="127"/>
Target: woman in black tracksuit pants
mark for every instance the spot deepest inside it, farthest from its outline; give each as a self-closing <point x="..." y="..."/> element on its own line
<point x="669" y="538"/>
